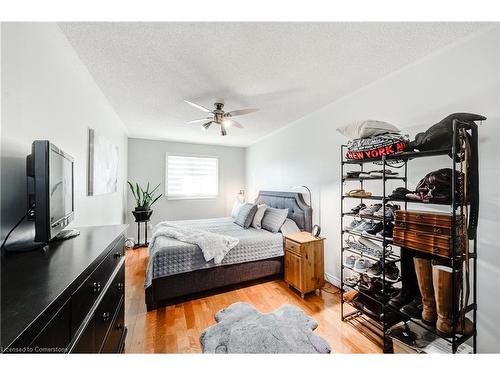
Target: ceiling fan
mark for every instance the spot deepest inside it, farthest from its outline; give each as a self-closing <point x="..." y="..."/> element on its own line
<point x="219" y="117"/>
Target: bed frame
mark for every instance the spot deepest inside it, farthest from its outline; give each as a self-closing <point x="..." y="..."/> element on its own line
<point x="167" y="290"/>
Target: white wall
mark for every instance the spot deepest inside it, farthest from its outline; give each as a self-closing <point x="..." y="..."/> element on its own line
<point x="146" y="163"/>
<point x="461" y="78"/>
<point x="47" y="93"/>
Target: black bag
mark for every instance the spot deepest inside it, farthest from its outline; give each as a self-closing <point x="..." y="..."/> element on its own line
<point x="435" y="187"/>
<point x="439" y="136"/>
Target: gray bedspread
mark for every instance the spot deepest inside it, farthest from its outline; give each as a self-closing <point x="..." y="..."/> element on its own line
<point x="170" y="256"/>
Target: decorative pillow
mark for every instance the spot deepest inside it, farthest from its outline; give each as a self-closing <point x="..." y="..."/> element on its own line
<point x="257" y="219"/>
<point x="274" y="218"/>
<point x="289" y="226"/>
<point x="245" y="215"/>
<point x="236" y="208"/>
<point x="367" y="128"/>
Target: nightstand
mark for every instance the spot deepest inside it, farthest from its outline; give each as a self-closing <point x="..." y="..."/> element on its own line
<point x="304" y="262"/>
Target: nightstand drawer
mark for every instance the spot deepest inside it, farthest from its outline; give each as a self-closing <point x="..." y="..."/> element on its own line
<point x="294" y="247"/>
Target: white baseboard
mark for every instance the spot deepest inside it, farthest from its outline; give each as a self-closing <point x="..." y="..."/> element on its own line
<point x="332" y="279"/>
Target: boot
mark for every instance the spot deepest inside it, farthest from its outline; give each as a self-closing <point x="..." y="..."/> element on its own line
<point x="423" y="268"/>
<point x="409" y="287"/>
<point x="442" y="279"/>
<point x="414" y="308"/>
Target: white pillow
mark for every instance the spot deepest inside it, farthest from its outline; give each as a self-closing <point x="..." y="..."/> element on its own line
<point x="236" y="208"/>
<point x="366" y="128"/>
<point x="257" y="219"/>
<point x="289" y="226"/>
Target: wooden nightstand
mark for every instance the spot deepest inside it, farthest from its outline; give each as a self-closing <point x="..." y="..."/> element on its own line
<point x="304" y="262"/>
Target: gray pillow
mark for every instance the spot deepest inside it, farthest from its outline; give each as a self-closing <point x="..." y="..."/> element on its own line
<point x="257" y="219"/>
<point x="245" y="215"/>
<point x="273" y="219"/>
<point x="289" y="226"/>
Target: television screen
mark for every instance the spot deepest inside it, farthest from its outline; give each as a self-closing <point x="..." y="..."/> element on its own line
<point x="60" y="186"/>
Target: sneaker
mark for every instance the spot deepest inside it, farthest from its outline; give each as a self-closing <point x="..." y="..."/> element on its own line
<point x="364" y="225"/>
<point x="351" y="281"/>
<point x="369" y="211"/>
<point x="377" y="227"/>
<point x="365" y="175"/>
<point x="353" y="224"/>
<point x="391" y="272"/>
<point x="388" y="173"/>
<point x="389" y="212"/>
<point x="375" y="269"/>
<point x="389" y="228"/>
<point x="370" y="244"/>
<point x="359" y="207"/>
<point x="362" y="265"/>
<point x="350" y="260"/>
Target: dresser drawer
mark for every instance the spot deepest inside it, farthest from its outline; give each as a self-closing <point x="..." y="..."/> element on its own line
<point x="114" y="339"/>
<point x="108" y="306"/>
<point x="292" y="246"/>
<point x="86" y="342"/>
<point x="86" y="295"/>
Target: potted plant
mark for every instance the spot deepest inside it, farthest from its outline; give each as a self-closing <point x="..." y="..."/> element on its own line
<point x="144" y="199"/>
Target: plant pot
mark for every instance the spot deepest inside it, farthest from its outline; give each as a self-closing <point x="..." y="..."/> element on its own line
<point x="143" y="208"/>
<point x="142" y="215"/>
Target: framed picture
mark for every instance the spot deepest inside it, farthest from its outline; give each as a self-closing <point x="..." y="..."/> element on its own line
<point x="102" y="165"/>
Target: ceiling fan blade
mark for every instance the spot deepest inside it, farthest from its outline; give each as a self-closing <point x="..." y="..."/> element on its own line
<point x="240" y="112"/>
<point x="198" y="106"/>
<point x="199" y="120"/>
<point x="235" y="123"/>
<point x="206" y="125"/>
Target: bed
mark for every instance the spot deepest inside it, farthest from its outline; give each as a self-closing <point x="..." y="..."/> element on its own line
<point x="178" y="270"/>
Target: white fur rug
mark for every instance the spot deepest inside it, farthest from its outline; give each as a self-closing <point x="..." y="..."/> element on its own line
<point x="241" y="328"/>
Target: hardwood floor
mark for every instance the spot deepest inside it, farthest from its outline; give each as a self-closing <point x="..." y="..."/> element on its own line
<point x="177" y="328"/>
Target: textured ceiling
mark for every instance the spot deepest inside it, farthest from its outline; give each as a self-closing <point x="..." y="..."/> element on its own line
<point x="286" y="69"/>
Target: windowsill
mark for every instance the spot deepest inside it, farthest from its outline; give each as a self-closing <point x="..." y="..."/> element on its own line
<point x="192" y="198"/>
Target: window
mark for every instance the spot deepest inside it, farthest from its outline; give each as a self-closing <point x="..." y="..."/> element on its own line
<point x="191" y="177"/>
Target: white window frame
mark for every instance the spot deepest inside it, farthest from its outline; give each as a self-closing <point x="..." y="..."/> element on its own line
<point x="188" y="197"/>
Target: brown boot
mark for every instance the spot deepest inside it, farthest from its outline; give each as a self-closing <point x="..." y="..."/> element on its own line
<point x="423" y="269"/>
<point x="442" y="279"/>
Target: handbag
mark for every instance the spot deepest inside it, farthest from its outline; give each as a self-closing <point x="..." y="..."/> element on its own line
<point x="435" y="187"/>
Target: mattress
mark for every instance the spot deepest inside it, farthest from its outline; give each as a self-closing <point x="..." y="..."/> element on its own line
<point x="170" y="256"/>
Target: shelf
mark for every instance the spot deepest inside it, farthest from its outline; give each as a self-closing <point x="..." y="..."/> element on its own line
<point x="370" y="217"/>
<point x="388" y="259"/>
<point x="367" y="236"/>
<point x="402" y="156"/>
<point x="458" y="338"/>
<point x="372" y="276"/>
<point x="345" y="178"/>
<point x="381" y="198"/>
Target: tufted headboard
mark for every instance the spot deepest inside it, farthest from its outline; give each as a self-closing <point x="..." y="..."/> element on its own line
<point x="298" y="210"/>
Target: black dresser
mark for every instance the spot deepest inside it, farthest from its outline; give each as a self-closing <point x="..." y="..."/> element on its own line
<point x="67" y="298"/>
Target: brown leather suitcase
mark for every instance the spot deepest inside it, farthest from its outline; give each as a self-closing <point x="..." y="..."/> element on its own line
<point x="429" y="232"/>
<point x="430" y="222"/>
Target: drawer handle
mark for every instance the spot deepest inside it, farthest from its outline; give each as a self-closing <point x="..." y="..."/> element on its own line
<point x="96" y="287"/>
<point x="119" y="286"/>
<point x="119" y="325"/>
<point x="106" y="317"/>
<point x="118" y="255"/>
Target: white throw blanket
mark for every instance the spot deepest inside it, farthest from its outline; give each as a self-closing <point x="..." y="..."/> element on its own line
<point x="213" y="245"/>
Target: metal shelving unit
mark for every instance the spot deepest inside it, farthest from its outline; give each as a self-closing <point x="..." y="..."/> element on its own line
<point x="455" y="260"/>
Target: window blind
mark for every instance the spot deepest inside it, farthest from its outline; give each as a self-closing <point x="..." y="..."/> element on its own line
<point x="192" y="177"/>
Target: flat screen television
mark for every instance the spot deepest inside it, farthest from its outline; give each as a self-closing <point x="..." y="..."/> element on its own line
<point x="50" y="190"/>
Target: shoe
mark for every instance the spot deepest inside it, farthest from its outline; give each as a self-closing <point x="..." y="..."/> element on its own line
<point x="370" y="245"/>
<point x="375" y="269"/>
<point x="350" y="260"/>
<point x="353" y="224"/>
<point x="400" y="193"/>
<point x="424" y="271"/>
<point x="362" y="265"/>
<point x="351" y="281"/>
<point x="350" y="295"/>
<point x="370" y="210"/>
<point x="388" y="173"/>
<point x="370" y="286"/>
<point x="377" y="227"/>
<point x="365" y="175"/>
<point x="359" y="207"/>
<point x="414" y="308"/>
<point x="391" y="272"/>
<point x="403" y="298"/>
<point x="442" y="278"/>
<point x="353" y="174"/>
<point x="389" y="229"/>
<point x="365" y="225"/>
<point x="389" y="212"/>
